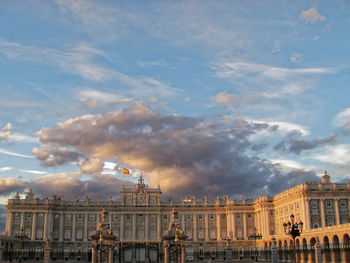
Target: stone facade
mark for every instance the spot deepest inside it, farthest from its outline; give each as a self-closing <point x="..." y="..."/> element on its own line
<point x="140" y="219"/>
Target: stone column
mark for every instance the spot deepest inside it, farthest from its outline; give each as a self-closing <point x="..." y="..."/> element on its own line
<point x="234" y="234"/>
<point x="245" y="226"/>
<point x="267" y="213"/>
<point x="134" y="226"/>
<point x="323" y="216"/>
<point x="97" y="220"/>
<point x="46" y="230"/>
<point x="110" y="220"/>
<point x="183" y="223"/>
<point x="147" y="227"/>
<point x="159" y="227"/>
<point x="228" y="224"/>
<point x="337" y="214"/>
<point x="307" y="214"/>
<point x="206" y="227"/>
<point x="194" y="227"/>
<point x="22" y="222"/>
<point x="85" y="227"/>
<point x="73" y="227"/>
<point x="61" y="236"/>
<point x="121" y="234"/>
<point x="33" y="226"/>
<point x="10" y="232"/>
<point x="218" y="227"/>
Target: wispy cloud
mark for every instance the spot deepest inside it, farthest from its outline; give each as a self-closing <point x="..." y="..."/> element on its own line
<point x="157" y="63"/>
<point x="80" y="60"/>
<point x="5" y="169"/>
<point x="33" y="171"/>
<point x="335" y="154"/>
<point x="234" y="70"/>
<point x="311" y="16"/>
<point x="4" y="151"/>
<point x="342" y="118"/>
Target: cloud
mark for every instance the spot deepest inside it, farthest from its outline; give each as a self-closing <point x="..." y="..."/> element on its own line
<point x="56" y="155"/>
<point x="311" y="16"/>
<point x="184" y="154"/>
<point x="342" y="119"/>
<point x="234" y="70"/>
<point x="234" y="101"/>
<point x="81" y="60"/>
<point x="4" y="151"/>
<point x="4" y="169"/>
<point x="33" y="171"/>
<point x="335" y="154"/>
<point x="67" y="184"/>
<point x="9" y="185"/>
<point x="157" y="63"/>
<point x="296" y="58"/>
<point x="292" y="143"/>
<point x="92" y="98"/>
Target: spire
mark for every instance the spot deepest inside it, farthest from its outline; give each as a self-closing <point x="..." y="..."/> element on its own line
<point x="141" y="181"/>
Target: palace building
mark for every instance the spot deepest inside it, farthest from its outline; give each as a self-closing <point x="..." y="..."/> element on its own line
<point x="140" y="220"/>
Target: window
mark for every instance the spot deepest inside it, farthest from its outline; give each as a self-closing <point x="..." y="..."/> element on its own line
<point x="57" y="216"/>
<point x="165" y="217"/>
<point x="188" y="217"/>
<point x="91" y="217"/>
<point x="328" y="203"/>
<point x="128" y="217"/>
<point x="153" y="217"/>
<point x="28" y="215"/>
<point x="115" y="217"/>
<point x="212" y="217"/>
<point x="223" y="216"/>
<point x="40" y="215"/>
<point x="80" y="217"/>
<point x="16" y="215"/>
<point x="200" y="216"/>
<point x="68" y="217"/>
<point x="249" y="215"/>
<point x="176" y="216"/>
<point x="79" y="235"/>
<point x="238" y="215"/>
<point x="67" y="234"/>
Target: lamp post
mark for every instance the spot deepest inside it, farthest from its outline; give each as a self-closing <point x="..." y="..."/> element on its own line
<point x="255" y="236"/>
<point x="293" y="229"/>
<point x="21" y="236"/>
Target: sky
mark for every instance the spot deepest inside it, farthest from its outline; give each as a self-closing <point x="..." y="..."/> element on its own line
<point x="237" y="98"/>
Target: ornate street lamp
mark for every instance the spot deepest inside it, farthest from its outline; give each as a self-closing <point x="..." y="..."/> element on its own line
<point x="174" y="241"/>
<point x="21" y="237"/>
<point x="255" y="236"/>
<point x="293" y="229"/>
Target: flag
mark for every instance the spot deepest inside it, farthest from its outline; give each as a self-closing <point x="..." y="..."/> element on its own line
<point x="126" y="171"/>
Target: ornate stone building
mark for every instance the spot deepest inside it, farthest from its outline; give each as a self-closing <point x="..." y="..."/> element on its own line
<point x="140" y="220"/>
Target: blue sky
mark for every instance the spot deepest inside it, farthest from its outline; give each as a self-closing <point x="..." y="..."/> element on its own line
<point x="203" y="97"/>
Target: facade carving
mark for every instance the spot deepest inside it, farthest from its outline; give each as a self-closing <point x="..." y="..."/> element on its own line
<point x="140" y="219"/>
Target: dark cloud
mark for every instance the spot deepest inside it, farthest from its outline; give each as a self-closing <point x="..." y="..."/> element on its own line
<point x="184" y="154"/>
<point x="67" y="184"/>
<point x="293" y="144"/>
